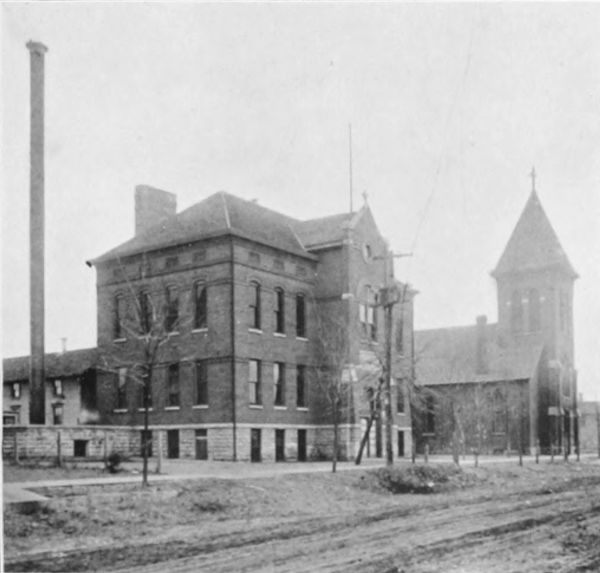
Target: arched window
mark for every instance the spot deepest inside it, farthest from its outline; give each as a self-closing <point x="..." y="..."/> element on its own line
<point x="200" y="306"/>
<point x="145" y="311"/>
<point x="279" y="311"/>
<point x="119" y="317"/>
<point x="171" y="309"/>
<point x="499" y="413"/>
<point x="255" y="305"/>
<point x="516" y="312"/>
<point x="300" y="316"/>
<point x="368" y="313"/>
<point x="563" y="316"/>
<point x="535" y="311"/>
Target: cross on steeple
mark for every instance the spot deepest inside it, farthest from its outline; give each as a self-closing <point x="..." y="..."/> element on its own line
<point x="532" y="175"/>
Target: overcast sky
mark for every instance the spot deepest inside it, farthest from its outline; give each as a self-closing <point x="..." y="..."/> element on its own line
<point x="450" y="107"/>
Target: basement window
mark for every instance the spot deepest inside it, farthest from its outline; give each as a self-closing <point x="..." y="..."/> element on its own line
<point x="80" y="448"/>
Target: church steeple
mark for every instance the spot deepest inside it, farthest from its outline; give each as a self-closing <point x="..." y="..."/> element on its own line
<point x="533" y="244"/>
<point x="535" y="285"/>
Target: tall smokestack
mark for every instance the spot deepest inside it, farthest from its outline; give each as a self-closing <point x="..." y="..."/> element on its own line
<point x="37" y="408"/>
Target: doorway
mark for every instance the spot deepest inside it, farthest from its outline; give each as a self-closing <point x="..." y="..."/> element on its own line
<point x="280" y="445"/>
<point x="301" y="445"/>
<point x="202" y="444"/>
<point x="172" y="443"/>
<point x="400" y="444"/>
<point x="255" y="455"/>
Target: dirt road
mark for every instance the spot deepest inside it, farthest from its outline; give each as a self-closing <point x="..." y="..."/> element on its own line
<point x="517" y="534"/>
<point x="528" y="529"/>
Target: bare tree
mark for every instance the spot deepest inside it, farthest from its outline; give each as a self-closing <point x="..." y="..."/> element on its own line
<point x="334" y="374"/>
<point x="144" y="327"/>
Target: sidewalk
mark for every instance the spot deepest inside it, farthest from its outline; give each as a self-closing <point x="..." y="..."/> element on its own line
<point x="179" y="470"/>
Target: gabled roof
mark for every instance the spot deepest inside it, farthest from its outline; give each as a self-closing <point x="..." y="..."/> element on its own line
<point x="218" y="214"/>
<point x="57" y="364"/>
<point x="449" y="356"/>
<point x="533" y="244"/>
<point x="324" y="231"/>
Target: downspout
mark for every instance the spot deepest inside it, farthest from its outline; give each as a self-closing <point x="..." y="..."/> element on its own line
<point x="233" y="354"/>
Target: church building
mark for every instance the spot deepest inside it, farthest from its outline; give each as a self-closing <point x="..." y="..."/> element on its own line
<point x="509" y="386"/>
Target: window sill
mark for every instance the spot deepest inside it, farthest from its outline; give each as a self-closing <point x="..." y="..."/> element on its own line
<point x="202" y="330"/>
<point x="255" y="330"/>
<point x="171" y="408"/>
<point x="302" y="408"/>
<point x="280" y="334"/>
<point x="279" y="407"/>
<point x="302" y="338"/>
<point x="428" y="434"/>
<point x="120" y="411"/>
<point x="120" y="340"/>
<point x="200" y="407"/>
<point x="143" y="409"/>
<point x="255" y="406"/>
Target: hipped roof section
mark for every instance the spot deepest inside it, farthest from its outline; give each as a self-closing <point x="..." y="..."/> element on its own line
<point x="226" y="214"/>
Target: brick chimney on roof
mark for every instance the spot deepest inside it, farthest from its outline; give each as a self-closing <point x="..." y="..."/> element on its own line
<point x="152" y="206"/>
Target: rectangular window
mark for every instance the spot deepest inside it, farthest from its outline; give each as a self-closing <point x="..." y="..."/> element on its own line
<point x="173" y="382"/>
<point x="254" y="375"/>
<point x="400" y="396"/>
<point x="146" y="384"/>
<point x="121" y="392"/>
<point x="301" y="386"/>
<point x="300" y="316"/>
<point x="15" y="390"/>
<point x="255" y="306"/>
<point x="57" y="414"/>
<point x="279" y="380"/>
<point x="372" y="319"/>
<point x="172" y="309"/>
<point x="279" y="311"/>
<point x="57" y="388"/>
<point x="201" y="384"/>
<point x="362" y="315"/>
<point x="200" y="306"/>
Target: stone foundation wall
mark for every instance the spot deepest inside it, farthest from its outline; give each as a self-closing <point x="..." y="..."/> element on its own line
<point x="42" y="441"/>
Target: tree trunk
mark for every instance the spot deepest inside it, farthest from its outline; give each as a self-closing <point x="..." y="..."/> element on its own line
<point x="335" y="444"/>
<point x="365" y="438"/>
<point x="147" y="380"/>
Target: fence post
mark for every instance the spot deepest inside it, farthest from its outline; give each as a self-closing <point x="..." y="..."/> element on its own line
<point x="426" y="453"/>
<point x="16" y="447"/>
<point x="58" y="450"/>
<point x="159" y="453"/>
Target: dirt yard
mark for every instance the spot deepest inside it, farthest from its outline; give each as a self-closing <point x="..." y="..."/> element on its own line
<point x="498" y="518"/>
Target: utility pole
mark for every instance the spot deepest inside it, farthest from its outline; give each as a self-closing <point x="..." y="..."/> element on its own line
<point x="389" y="297"/>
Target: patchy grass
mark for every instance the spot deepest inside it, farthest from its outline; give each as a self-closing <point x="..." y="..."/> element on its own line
<point x="100" y="516"/>
<point x="424" y="478"/>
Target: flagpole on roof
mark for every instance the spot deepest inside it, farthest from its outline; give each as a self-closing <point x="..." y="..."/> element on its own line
<point x="350" y="164"/>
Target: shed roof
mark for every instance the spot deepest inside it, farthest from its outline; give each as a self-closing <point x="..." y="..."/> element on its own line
<point x="57" y="364"/>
